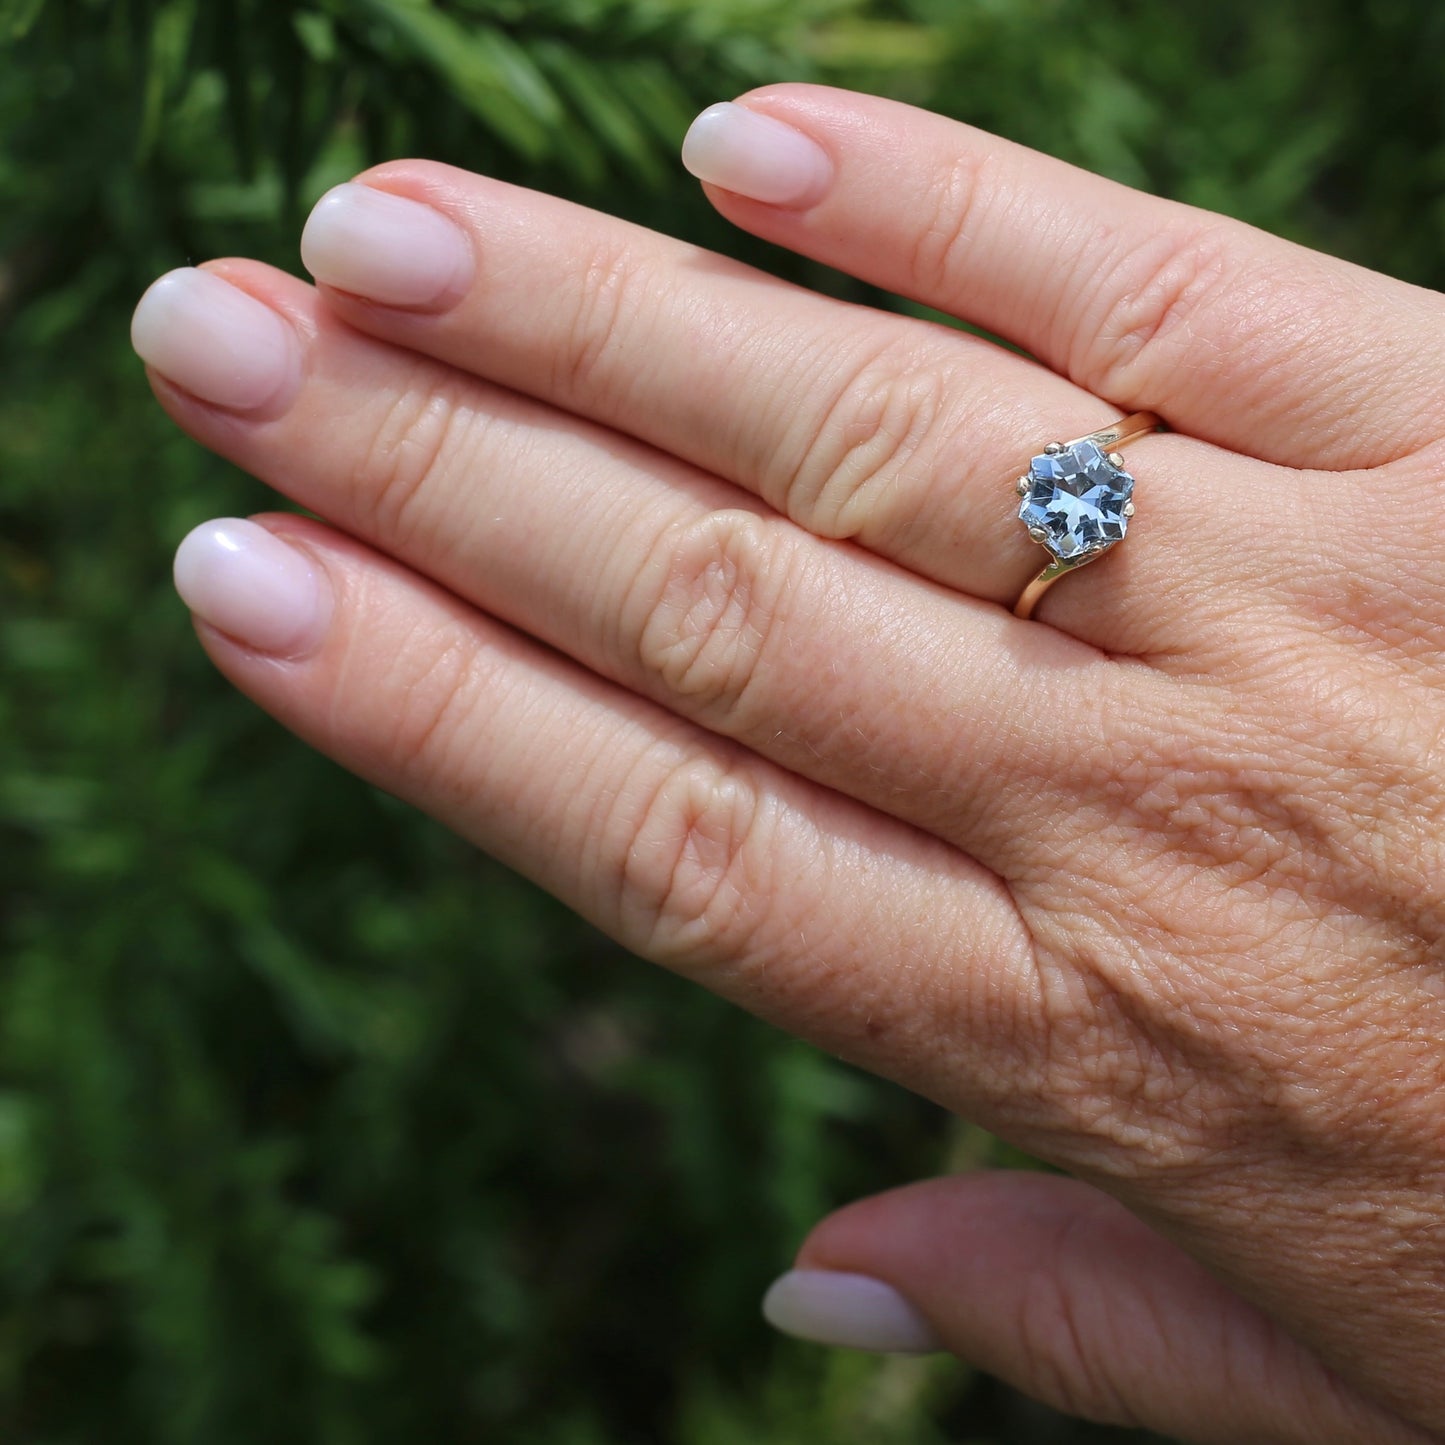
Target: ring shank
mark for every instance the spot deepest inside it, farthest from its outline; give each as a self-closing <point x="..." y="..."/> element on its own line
<point x="1029" y="597"/>
<point x="1125" y="430"/>
<point x="1109" y="438"/>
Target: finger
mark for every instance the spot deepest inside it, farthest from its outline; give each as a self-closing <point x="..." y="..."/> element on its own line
<point x="899" y="434"/>
<point x="1058" y="1289"/>
<point x="802" y="650"/>
<point x="1233" y="335"/>
<point x="685" y="848"/>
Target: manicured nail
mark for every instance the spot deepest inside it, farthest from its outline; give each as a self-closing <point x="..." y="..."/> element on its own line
<point x="830" y="1307"/>
<point x="248" y="583"/>
<point x="386" y="248"/>
<point x="215" y="341"/>
<point x="740" y="150"/>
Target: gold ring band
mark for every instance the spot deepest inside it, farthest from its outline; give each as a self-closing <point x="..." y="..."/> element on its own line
<point x="1107" y="440"/>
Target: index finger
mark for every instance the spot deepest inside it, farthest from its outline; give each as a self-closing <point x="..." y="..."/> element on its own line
<point x="1234" y="336"/>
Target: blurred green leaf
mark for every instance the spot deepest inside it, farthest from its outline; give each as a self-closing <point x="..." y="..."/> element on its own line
<point x="317" y="33"/>
<point x="17" y="17"/>
<point x="232" y="52"/>
<point x="490" y="74"/>
<point x="168" y="47"/>
<point x="20" y="1166"/>
<point x="603" y="108"/>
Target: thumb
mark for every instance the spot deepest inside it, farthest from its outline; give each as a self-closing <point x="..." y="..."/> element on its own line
<point x="1059" y="1290"/>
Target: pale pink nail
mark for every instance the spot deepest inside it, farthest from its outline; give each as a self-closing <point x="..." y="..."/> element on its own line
<point x="248" y="583"/>
<point x="386" y="248"/>
<point x="741" y="150"/>
<point x="216" y="341"/>
<point x="832" y="1307"/>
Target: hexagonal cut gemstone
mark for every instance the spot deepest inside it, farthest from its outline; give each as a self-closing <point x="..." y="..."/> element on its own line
<point x="1076" y="499"/>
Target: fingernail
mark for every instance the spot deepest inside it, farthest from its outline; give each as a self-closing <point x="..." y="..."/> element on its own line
<point x="857" y="1311"/>
<point x="740" y="150"/>
<point x="386" y="248"/>
<point x="248" y="583"/>
<point x="215" y="341"/>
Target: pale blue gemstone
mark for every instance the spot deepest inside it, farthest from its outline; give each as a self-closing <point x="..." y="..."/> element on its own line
<point x="1077" y="497"/>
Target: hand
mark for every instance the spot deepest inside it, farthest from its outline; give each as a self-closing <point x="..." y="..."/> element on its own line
<point x="686" y="592"/>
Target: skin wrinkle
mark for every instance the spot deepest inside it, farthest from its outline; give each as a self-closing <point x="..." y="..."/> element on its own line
<point x="1125" y="321"/>
<point x="940" y="491"/>
<point x="1050" y="1322"/>
<point x="1141" y="299"/>
<point x="1074" y="249"/>
<point x="719" y="604"/>
<point x="434" y="707"/>
<point x="883" y="418"/>
<point x="938" y="257"/>
<point x="591" y="790"/>
<point x="1385" y="436"/>
<point x="603" y="294"/>
<point x="704" y="845"/>
<point x="1392" y="586"/>
<point x="336" y="720"/>
<point x="1117" y="1091"/>
<point x="1223" y="1036"/>
<point x="1393" y="765"/>
<point x="878" y="1003"/>
<point x="640" y="824"/>
<point x="1361" y="619"/>
<point x="1243" y="819"/>
<point x="722" y="823"/>
<point x="1167" y="928"/>
<point x="805" y="359"/>
<point x="636" y="588"/>
<point x="813" y="391"/>
<point x="418" y="429"/>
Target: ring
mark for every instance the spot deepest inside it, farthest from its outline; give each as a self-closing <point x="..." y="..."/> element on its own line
<point x="1077" y="501"/>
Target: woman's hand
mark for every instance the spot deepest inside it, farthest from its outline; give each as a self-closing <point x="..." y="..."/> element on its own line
<point x="686" y="592"/>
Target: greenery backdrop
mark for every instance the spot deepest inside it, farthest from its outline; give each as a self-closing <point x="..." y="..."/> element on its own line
<point x="314" y="1127"/>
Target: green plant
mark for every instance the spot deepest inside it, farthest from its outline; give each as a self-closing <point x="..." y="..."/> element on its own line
<point x="313" y="1126"/>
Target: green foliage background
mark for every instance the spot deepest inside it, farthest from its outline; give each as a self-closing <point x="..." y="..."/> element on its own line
<point x="314" y="1127"/>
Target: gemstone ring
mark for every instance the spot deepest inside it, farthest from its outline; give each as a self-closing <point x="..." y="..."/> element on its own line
<point x="1077" y="500"/>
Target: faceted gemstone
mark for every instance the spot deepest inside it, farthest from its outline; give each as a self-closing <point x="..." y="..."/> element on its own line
<point x="1076" y="499"/>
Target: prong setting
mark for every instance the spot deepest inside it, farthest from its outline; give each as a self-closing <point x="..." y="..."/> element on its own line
<point x="1077" y="499"/>
<point x="1073" y="499"/>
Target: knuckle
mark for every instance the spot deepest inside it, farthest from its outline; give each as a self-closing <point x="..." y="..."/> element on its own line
<point x="936" y="260"/>
<point x="886" y="421"/>
<point x="1149" y="301"/>
<point x="695" y="862"/>
<point x="412" y="443"/>
<point x="713" y="601"/>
